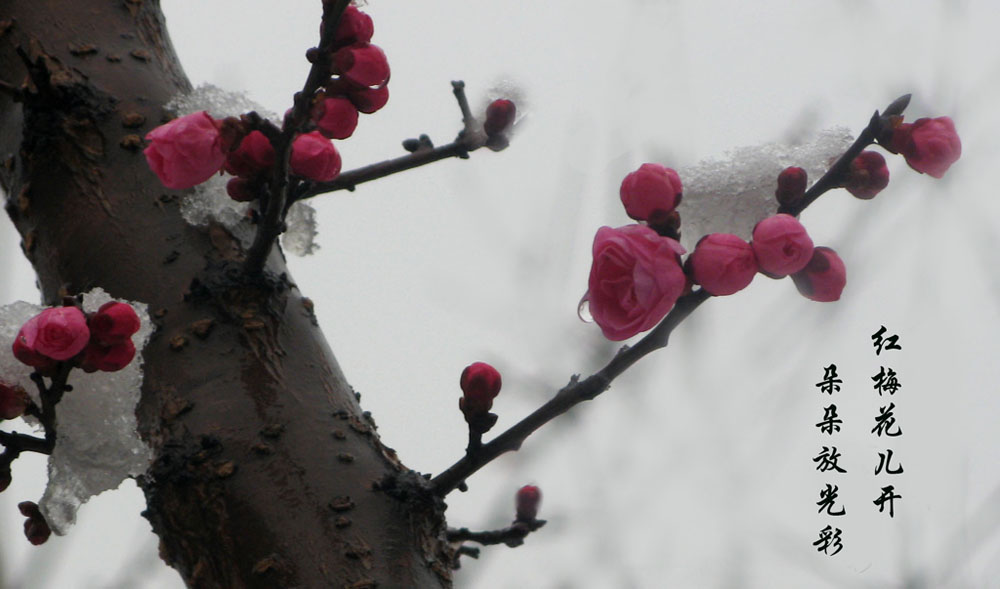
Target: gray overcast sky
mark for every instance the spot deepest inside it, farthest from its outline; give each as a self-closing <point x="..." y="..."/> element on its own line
<point x="695" y="469"/>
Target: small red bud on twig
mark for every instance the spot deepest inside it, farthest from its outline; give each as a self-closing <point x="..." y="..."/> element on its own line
<point x="526" y="503"/>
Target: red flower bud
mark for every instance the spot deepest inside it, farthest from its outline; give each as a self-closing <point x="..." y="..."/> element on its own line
<point x="781" y="245"/>
<point x="723" y="263"/>
<point x="107" y="358"/>
<point x="36" y="529"/>
<point x="241" y="189"/>
<point x="354" y="27"/>
<point x="930" y="146"/>
<point x="823" y="278"/>
<point x="868" y="175"/>
<point x="363" y="64"/>
<point x="526" y="502"/>
<point x="113" y="323"/>
<point x="499" y="116"/>
<point x="480" y="384"/>
<point x="24" y="347"/>
<point x="254" y="155"/>
<point x="335" y="118"/>
<point x="791" y="185"/>
<point x="314" y="157"/>
<point x="13" y="401"/>
<point x="651" y="193"/>
<point x="369" y="100"/>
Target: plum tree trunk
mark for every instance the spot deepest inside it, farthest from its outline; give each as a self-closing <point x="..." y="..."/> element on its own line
<point x="267" y="472"/>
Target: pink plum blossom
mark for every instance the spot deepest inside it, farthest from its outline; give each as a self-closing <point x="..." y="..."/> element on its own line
<point x="58" y="333"/>
<point x="186" y="151"/>
<point x="635" y="279"/>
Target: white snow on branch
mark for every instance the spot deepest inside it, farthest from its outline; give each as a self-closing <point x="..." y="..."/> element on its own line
<point x="731" y="195"/>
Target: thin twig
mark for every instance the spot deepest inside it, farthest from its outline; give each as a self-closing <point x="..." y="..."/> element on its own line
<point x="468" y="140"/>
<point x="578" y="391"/>
<point x="15" y="443"/>
<point x="271" y="224"/>
<point x="350" y="179"/>
<point x="513" y="535"/>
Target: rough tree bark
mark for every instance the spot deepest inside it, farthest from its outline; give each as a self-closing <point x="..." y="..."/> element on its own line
<point x="267" y="472"/>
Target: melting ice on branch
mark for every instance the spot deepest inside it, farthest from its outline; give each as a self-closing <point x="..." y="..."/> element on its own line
<point x="733" y="194"/>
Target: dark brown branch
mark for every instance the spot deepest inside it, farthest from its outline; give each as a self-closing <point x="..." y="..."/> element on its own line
<point x="279" y="188"/>
<point x="50" y="396"/>
<point x="513" y="535"/>
<point x="578" y="391"/>
<point x="469" y="139"/>
<point x="350" y="179"/>
<point x="15" y="443"/>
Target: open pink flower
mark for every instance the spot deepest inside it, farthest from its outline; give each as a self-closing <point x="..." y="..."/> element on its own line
<point x="635" y="279"/>
<point x="930" y="146"/>
<point x="186" y="151"/>
<point x="650" y="193"/>
<point x="782" y="245"/>
<point x="723" y="263"/>
<point x="58" y="333"/>
<point x="314" y="157"/>
<point x="823" y="278"/>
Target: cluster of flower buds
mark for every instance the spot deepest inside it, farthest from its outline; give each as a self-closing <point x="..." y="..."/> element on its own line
<point x="94" y="341"/>
<point x="724" y="264"/>
<point x="637" y="276"/>
<point x="190" y="149"/>
<point x="480" y="384"/>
